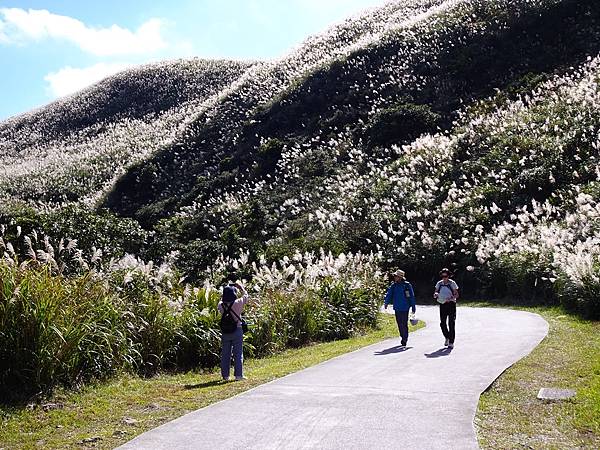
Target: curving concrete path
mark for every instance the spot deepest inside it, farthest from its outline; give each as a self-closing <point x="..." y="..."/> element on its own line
<point x="375" y="398"/>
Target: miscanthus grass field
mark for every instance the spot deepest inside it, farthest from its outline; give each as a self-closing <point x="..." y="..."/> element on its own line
<point x="64" y="325"/>
<point x="421" y="134"/>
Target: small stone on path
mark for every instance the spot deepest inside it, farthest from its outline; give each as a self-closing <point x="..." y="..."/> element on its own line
<point x="554" y="394"/>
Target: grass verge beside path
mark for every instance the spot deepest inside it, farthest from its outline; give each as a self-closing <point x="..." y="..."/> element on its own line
<point x="510" y="416"/>
<point x="109" y="414"/>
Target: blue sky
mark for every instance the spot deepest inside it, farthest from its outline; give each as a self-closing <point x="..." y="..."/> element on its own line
<point x="50" y="48"/>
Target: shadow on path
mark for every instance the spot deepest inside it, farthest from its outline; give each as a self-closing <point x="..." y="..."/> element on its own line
<point x="204" y="385"/>
<point x="438" y="353"/>
<point x="391" y="350"/>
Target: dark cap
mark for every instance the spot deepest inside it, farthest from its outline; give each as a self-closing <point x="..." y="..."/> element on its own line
<point x="229" y="295"/>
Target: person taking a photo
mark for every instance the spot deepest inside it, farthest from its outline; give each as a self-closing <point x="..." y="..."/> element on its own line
<point x="232" y="334"/>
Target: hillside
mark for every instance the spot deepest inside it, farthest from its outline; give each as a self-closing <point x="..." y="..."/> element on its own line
<point x="72" y="146"/>
<point x="433" y="132"/>
<point x="132" y="94"/>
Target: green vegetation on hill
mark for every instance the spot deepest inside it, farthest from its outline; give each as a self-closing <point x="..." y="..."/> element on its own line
<point x="132" y="94"/>
<point x="277" y="181"/>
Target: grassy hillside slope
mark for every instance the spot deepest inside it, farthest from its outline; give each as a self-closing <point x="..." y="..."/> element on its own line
<point x="315" y="165"/>
<point x="460" y="133"/>
<point x="72" y="149"/>
<point x="420" y="131"/>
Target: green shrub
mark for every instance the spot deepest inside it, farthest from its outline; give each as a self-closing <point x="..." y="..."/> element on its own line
<point x="401" y="123"/>
<point x="291" y="319"/>
<point x="285" y="319"/>
<point x="350" y="310"/>
<point x="582" y="296"/>
<point x="521" y="278"/>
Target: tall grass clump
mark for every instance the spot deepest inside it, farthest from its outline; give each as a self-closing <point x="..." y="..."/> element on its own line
<point x="65" y="320"/>
<point x="56" y="330"/>
<point x="292" y="319"/>
<point x="307" y="298"/>
<point x="556" y="255"/>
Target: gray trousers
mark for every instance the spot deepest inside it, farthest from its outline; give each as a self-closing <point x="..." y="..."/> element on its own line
<point x="232" y="341"/>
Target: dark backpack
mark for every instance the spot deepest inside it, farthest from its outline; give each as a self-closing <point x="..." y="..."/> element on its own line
<point x="228" y="323"/>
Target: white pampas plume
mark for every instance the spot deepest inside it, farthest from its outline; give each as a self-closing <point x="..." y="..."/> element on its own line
<point x="78" y="257"/>
<point x="128" y="278"/>
<point x="43" y="256"/>
<point x="49" y="248"/>
<point x="96" y="255"/>
<point x="71" y="244"/>
<point x="30" y="251"/>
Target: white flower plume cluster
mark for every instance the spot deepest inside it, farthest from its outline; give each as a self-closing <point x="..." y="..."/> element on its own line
<point x="61" y="256"/>
<point x="567" y="246"/>
<point x="310" y="270"/>
<point x="64" y="258"/>
<point x="344" y="197"/>
<point x="41" y="161"/>
<point x="303" y="270"/>
<point x="407" y="191"/>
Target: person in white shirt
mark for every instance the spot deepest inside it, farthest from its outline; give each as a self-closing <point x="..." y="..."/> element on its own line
<point x="446" y="293"/>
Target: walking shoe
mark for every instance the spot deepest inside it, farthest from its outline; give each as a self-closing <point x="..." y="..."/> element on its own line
<point x="447" y="343"/>
<point x="226" y="378"/>
<point x="240" y="378"/>
<point x="451" y="345"/>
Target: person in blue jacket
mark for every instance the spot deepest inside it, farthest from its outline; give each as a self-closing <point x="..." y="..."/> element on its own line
<point x="401" y="295"/>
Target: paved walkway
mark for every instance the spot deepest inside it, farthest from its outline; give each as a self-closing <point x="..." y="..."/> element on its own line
<point x="375" y="398"/>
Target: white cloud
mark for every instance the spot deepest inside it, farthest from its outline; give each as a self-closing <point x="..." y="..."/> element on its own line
<point x="69" y="80"/>
<point x="20" y="26"/>
<point x="3" y="37"/>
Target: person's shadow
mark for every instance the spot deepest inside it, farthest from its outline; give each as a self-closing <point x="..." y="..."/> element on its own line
<point x="391" y="350"/>
<point x="438" y="353"/>
<point x="204" y="385"/>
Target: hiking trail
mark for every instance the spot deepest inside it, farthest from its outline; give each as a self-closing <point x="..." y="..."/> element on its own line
<point x="380" y="397"/>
